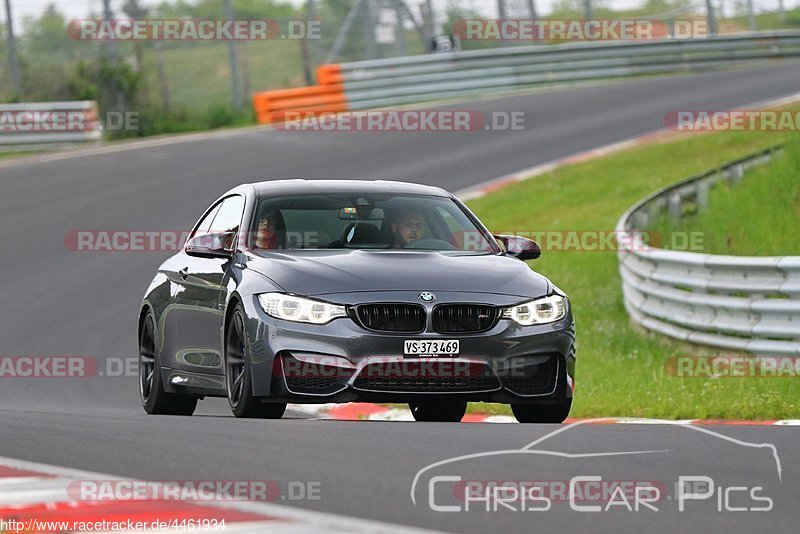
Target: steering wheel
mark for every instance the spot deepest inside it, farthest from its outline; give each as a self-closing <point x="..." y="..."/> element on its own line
<point x="431" y="244"/>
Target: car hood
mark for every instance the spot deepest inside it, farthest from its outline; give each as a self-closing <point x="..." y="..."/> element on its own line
<point x="319" y="272"/>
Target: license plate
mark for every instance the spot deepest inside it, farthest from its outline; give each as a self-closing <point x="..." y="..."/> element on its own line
<point x="430" y="347"/>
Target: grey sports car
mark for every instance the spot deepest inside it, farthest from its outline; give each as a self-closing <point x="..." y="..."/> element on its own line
<point x="320" y="291"/>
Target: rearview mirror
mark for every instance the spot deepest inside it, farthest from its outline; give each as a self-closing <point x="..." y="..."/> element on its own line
<point x="365" y="214"/>
<point x="521" y="248"/>
<point x="219" y="245"/>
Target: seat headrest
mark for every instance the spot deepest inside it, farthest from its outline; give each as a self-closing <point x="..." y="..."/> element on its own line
<point x="366" y="233"/>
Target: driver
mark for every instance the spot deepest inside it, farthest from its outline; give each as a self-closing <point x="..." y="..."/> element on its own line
<point x="408" y="227"/>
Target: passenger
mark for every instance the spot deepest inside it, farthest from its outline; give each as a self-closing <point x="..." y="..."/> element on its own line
<point x="266" y="232"/>
<point x="408" y="228"/>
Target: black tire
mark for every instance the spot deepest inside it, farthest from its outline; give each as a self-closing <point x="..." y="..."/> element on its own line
<point x="238" y="377"/>
<point x="151" y="389"/>
<point x="445" y="411"/>
<point x="542" y="413"/>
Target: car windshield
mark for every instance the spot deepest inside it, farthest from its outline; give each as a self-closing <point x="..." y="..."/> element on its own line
<point x="365" y="221"/>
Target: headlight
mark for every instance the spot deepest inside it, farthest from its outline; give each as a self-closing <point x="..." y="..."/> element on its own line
<point x="539" y="311"/>
<point x="301" y="310"/>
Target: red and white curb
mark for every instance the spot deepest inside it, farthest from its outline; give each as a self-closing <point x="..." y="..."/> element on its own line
<point x="35" y="498"/>
<point x="360" y="411"/>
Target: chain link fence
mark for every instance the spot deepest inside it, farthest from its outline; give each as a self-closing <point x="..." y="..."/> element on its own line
<point x="185" y="85"/>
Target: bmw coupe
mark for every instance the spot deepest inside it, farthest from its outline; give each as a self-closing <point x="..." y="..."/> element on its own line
<point x="330" y="291"/>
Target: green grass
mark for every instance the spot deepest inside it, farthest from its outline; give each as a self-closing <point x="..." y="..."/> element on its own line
<point x="770" y="21"/>
<point x="199" y="75"/>
<point x="757" y="217"/>
<point x="16" y="154"/>
<point x="620" y="367"/>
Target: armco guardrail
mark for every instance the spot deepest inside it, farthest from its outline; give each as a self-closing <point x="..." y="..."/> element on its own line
<point x="411" y="79"/>
<point x="39" y="124"/>
<point x="328" y="96"/>
<point x="750" y="304"/>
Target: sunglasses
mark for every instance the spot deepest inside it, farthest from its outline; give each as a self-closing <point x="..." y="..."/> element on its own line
<point x="270" y="221"/>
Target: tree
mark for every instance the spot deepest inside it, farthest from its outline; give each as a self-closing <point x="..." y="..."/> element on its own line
<point x="246" y="9"/>
<point x="48" y="35"/>
<point x="134" y="10"/>
<point x="111" y="82"/>
<point x="665" y="6"/>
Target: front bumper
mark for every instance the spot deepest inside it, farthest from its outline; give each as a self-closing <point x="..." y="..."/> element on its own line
<point x="343" y="362"/>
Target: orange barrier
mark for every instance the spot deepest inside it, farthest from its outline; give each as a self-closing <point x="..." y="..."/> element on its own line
<point x="329" y="74"/>
<point x="327" y="97"/>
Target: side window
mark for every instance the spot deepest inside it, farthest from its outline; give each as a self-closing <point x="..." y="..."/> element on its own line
<point x="463" y="239"/>
<point x="452" y="224"/>
<point x="229" y="215"/>
<point x="205" y="224"/>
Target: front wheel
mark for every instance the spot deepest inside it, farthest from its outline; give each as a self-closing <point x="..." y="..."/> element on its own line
<point x="238" y="375"/>
<point x="542" y="413"/>
<point x="447" y="411"/>
<point x="151" y="389"/>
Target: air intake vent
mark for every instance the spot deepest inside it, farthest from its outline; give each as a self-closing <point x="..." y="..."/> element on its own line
<point x="426" y="377"/>
<point x="534" y="379"/>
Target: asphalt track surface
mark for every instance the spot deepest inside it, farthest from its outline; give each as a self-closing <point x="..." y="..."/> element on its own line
<point x="58" y="302"/>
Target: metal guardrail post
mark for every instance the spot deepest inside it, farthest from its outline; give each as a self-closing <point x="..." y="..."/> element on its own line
<point x="702" y="196"/>
<point x="674" y="205"/>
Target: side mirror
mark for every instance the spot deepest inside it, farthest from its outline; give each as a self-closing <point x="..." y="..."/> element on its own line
<point x="521" y="248"/>
<point x="218" y="245"/>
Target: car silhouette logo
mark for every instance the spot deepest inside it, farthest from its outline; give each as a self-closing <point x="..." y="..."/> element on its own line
<point x="427" y="297"/>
